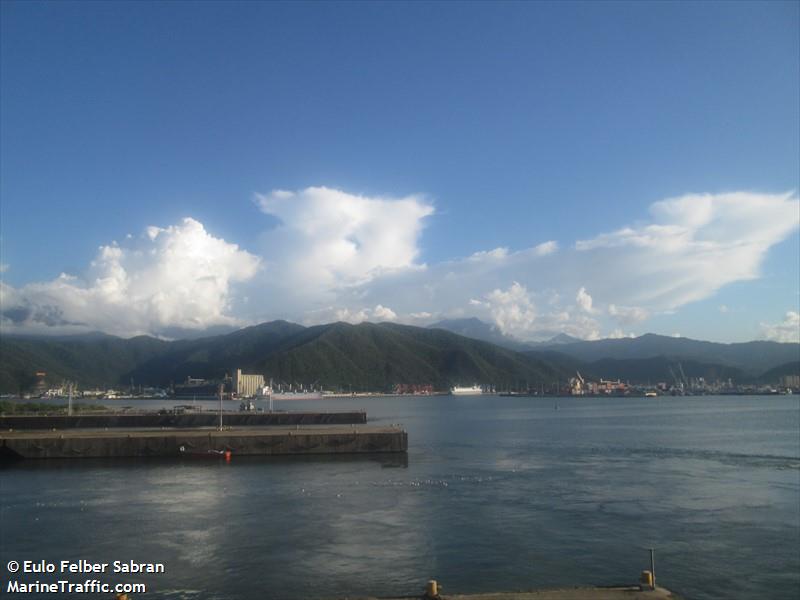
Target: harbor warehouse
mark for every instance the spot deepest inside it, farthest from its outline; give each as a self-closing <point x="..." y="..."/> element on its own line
<point x="247" y="386"/>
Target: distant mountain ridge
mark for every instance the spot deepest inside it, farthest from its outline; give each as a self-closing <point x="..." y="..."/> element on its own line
<point x="337" y="356"/>
<point x="751" y="358"/>
<point x="561" y="338"/>
<point x="372" y="356"/>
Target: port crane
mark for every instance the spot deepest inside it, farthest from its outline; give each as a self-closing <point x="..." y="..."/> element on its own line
<point x="582" y="383"/>
<point x="681" y="383"/>
<point x="683" y="376"/>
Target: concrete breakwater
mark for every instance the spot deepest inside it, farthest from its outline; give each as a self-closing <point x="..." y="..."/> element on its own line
<point x="188" y="420"/>
<point x="576" y="593"/>
<point x="274" y="441"/>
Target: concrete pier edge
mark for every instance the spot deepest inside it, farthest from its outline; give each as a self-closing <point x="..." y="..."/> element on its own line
<point x="207" y="418"/>
<point x="622" y="592"/>
<point x="263" y="441"/>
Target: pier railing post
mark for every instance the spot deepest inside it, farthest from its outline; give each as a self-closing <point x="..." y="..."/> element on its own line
<point x="653" y="566"/>
<point x="220" y="409"/>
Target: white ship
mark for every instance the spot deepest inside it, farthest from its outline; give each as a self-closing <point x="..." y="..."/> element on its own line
<point x="297" y="395"/>
<point x="466" y="391"/>
<point x="292" y="393"/>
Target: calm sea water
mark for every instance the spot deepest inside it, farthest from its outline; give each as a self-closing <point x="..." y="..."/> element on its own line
<point x="494" y="494"/>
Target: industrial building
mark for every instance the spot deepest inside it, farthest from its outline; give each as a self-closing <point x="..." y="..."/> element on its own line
<point x="247" y="386"/>
<point x="790" y="381"/>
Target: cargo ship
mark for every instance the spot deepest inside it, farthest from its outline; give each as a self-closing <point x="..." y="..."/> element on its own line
<point x="297" y="395"/>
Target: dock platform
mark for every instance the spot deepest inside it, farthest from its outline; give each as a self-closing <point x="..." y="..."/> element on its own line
<point x="206" y="418"/>
<point x="261" y="441"/>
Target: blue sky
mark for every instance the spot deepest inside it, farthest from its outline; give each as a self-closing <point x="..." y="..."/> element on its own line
<point x="502" y="125"/>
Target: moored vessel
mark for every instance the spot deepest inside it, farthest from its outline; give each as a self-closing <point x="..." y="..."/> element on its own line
<point x="297" y="395"/>
<point x="466" y="391"/>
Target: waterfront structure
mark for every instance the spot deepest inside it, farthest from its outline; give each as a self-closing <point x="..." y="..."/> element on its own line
<point x="790" y="381"/>
<point x="196" y="388"/>
<point x="577" y="385"/>
<point x="466" y="391"/>
<point x="609" y="387"/>
<point x="41" y="385"/>
<point x="247" y="386"/>
<point x="298" y="395"/>
<point x="417" y="389"/>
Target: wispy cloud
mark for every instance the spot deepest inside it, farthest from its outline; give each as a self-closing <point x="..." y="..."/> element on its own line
<point x="627" y="315"/>
<point x="695" y="245"/>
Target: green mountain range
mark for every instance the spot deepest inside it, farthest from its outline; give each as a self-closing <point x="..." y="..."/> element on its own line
<point x="374" y="357"/>
<point x="335" y="356"/>
<point x="752" y="358"/>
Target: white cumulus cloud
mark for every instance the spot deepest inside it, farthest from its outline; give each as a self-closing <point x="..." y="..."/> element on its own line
<point x="328" y="238"/>
<point x="347" y="315"/>
<point x="329" y="247"/>
<point x="384" y="313"/>
<point x="512" y="310"/>
<point x="332" y="255"/>
<point x="177" y="277"/>
<point x="787" y="330"/>
<point x="584" y="301"/>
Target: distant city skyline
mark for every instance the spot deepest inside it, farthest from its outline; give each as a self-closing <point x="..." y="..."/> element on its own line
<point x="594" y="169"/>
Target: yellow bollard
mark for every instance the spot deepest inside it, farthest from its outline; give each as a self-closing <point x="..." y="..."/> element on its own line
<point x="432" y="589"/>
<point x="646" y="580"/>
